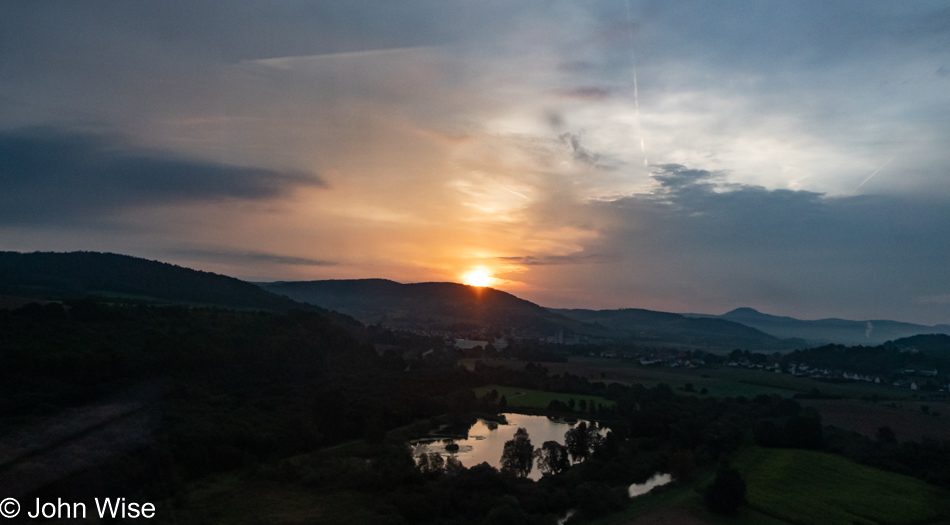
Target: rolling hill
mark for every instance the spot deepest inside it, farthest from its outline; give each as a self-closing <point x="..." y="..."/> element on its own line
<point x="47" y="275"/>
<point x="668" y="327"/>
<point x="839" y="331"/>
<point x="451" y="306"/>
<point x="440" y="306"/>
<point x="443" y="306"/>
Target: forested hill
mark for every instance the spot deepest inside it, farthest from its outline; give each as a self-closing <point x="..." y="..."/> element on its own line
<point x="433" y="305"/>
<point x="670" y="327"/>
<point x="926" y="343"/>
<point x="78" y="274"/>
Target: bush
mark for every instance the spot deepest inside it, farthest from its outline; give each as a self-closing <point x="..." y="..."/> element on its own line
<point x="726" y="492"/>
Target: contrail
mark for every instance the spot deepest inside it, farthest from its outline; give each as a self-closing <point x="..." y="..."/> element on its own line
<point x="509" y="190"/>
<point x="636" y="88"/>
<point x="873" y="174"/>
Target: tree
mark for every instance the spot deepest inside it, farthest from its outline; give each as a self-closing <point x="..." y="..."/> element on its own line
<point x="804" y="431"/>
<point x="453" y="466"/>
<point x="886" y="435"/>
<point x="682" y="463"/>
<point x="581" y="441"/>
<point x="518" y="455"/>
<point x="767" y="434"/>
<point x="726" y="492"/>
<point x="552" y="458"/>
<point x="431" y="463"/>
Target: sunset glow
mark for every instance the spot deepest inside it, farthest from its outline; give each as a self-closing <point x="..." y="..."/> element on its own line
<point x="599" y="160"/>
<point x="477" y="278"/>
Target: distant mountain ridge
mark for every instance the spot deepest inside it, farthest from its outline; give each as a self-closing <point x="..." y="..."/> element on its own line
<point x="822" y="331"/>
<point x="47" y="275"/>
<point x="663" y="326"/>
<point x="435" y="305"/>
<point x="447" y="305"/>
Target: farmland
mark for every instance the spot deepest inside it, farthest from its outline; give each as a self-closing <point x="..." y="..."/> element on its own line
<point x="719" y="382"/>
<point x="907" y="419"/>
<point x="797" y="486"/>
<point x="816" y="488"/>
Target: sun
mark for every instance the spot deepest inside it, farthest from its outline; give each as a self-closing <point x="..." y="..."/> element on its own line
<point x="477" y="278"/>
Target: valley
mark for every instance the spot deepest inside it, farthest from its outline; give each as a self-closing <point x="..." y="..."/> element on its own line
<point x="224" y="407"/>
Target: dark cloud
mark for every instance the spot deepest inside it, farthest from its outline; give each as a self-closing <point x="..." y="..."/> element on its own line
<point x="787" y="250"/>
<point x="49" y="175"/>
<point x="552" y="260"/>
<point x="587" y="93"/>
<point x="240" y="257"/>
<point x="584" y="155"/>
<point x="678" y="177"/>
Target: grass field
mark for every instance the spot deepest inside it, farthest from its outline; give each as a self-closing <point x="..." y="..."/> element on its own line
<point x="719" y="382"/>
<point x="906" y="419"/>
<point x="681" y="503"/>
<point x="806" y="487"/>
<point x="522" y="397"/>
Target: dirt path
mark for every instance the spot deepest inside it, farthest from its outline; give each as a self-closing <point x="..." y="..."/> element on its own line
<point x="45" y="451"/>
<point x="668" y="516"/>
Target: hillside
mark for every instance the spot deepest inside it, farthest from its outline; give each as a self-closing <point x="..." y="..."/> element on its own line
<point x="456" y="306"/>
<point x="839" y="331"/>
<point x="668" y="327"/>
<point x="440" y="306"/>
<point x="47" y="275"/>
<point x="925" y="343"/>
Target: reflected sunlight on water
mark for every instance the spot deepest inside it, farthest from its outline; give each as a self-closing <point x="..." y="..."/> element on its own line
<point x="658" y="479"/>
<point x="486" y="444"/>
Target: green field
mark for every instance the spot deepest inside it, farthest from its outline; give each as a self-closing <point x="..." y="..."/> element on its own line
<point x="800" y="487"/>
<point x="522" y="397"/>
<point x="806" y="487"/>
<point x="719" y="382"/>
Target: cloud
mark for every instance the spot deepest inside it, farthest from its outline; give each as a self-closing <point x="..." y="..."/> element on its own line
<point x="584" y="155"/>
<point x="549" y="260"/>
<point x="252" y="257"/>
<point x="589" y="93"/>
<point x="49" y="175"/>
<point x="735" y="104"/>
<point x="717" y="245"/>
<point x="677" y="177"/>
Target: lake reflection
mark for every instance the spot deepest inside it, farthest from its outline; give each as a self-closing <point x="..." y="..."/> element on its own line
<point x="485" y="444"/>
<point x="639" y="489"/>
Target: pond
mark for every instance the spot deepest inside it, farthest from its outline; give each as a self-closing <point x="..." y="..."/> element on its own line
<point x="486" y="441"/>
<point x="658" y="479"/>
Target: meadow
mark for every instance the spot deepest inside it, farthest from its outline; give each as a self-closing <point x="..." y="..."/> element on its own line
<point x="719" y="382"/>
<point x="806" y="487"/>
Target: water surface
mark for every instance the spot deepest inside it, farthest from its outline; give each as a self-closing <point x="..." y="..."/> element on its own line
<point x="639" y="489"/>
<point x="486" y="444"/>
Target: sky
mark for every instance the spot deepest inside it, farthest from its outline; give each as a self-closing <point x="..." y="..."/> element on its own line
<point x="672" y="155"/>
